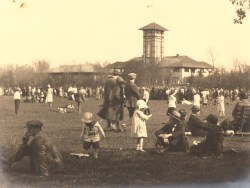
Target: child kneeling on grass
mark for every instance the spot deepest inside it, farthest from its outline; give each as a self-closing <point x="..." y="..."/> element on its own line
<point x="139" y="129"/>
<point x="91" y="134"/>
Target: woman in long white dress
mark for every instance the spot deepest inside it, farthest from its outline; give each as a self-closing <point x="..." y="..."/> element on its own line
<point x="49" y="98"/>
<point x="221" y="105"/>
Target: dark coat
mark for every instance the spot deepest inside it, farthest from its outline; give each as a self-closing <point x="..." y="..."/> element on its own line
<point x="197" y="126"/>
<point x="44" y="155"/>
<point x="111" y="107"/>
<point x="119" y="100"/>
<point x="178" y="141"/>
<point x="80" y="97"/>
<point x="132" y="94"/>
<point x="213" y="144"/>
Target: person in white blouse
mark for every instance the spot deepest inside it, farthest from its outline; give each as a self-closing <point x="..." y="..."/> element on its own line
<point x="17" y="99"/>
<point x="197" y="99"/>
<point x="172" y="101"/>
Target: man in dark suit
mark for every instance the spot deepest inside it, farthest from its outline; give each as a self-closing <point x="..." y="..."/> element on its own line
<point x="132" y="94"/>
<point x="196" y="125"/>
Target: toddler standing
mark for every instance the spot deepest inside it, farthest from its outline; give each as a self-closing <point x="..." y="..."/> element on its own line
<point x="91" y="134"/>
<point x="139" y="129"/>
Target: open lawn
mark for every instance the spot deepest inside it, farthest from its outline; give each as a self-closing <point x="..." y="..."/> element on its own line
<point x="118" y="163"/>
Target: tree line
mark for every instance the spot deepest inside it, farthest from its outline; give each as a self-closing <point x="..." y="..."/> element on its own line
<point x="15" y="75"/>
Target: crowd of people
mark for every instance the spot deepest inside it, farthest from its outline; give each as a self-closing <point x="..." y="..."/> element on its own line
<point x="40" y="154"/>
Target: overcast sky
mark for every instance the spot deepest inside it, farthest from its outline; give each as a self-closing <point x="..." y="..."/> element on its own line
<point x="76" y="31"/>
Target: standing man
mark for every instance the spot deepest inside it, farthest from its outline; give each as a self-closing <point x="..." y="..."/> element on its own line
<point x="132" y="94"/>
<point x="108" y="111"/>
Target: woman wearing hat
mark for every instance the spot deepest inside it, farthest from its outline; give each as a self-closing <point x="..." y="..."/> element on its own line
<point x="107" y="111"/>
<point x="139" y="129"/>
<point x="174" y="133"/>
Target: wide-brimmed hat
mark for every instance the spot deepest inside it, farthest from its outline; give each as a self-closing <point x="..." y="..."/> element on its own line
<point x="141" y="104"/>
<point x="87" y="117"/>
<point x="132" y="75"/>
<point x="175" y="114"/>
<point x="34" y="124"/>
<point x="195" y="108"/>
<point x="212" y="118"/>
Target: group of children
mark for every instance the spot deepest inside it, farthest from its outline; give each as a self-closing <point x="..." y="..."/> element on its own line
<point x="92" y="132"/>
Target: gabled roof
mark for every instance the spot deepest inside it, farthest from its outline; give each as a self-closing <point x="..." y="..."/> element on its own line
<point x="183" y="62"/>
<point x="153" y="26"/>
<point x="86" y="68"/>
<point x="124" y="64"/>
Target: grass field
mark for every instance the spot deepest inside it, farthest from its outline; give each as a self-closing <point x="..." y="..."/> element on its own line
<point x="118" y="163"/>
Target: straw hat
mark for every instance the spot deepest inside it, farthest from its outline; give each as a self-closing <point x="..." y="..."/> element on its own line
<point x="87" y="117"/>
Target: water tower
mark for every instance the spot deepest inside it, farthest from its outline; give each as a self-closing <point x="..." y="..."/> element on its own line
<point x="153" y="43"/>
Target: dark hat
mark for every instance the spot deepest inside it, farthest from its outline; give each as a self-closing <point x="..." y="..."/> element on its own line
<point x="34" y="124"/>
<point x="183" y="113"/>
<point x="117" y="72"/>
<point x="175" y="114"/>
<point x="212" y="118"/>
<point x="195" y="108"/>
<point x="132" y="75"/>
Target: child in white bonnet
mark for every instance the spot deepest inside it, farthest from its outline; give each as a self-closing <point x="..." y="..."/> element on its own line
<point x="139" y="129"/>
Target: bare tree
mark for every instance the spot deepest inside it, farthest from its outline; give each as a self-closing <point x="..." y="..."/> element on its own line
<point x="212" y="55"/>
<point x="238" y="65"/>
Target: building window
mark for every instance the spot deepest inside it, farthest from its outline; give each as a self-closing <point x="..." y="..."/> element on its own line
<point x="186" y="69"/>
<point x="192" y="70"/>
<point x="176" y="69"/>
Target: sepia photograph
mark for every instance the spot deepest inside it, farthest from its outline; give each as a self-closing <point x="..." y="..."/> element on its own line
<point x="124" y="93"/>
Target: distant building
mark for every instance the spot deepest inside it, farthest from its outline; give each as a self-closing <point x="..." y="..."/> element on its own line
<point x="177" y="68"/>
<point x="182" y="67"/>
<point x="73" y="73"/>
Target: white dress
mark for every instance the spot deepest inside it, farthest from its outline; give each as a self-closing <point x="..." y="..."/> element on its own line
<point x="49" y="97"/>
<point x="139" y="128"/>
<point x="197" y="100"/>
<point x="221" y="104"/>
